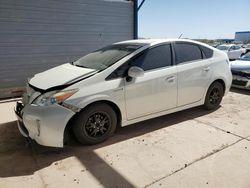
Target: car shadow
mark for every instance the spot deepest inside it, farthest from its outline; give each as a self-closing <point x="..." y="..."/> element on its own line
<point x="240" y="91"/>
<point x="20" y="156"/>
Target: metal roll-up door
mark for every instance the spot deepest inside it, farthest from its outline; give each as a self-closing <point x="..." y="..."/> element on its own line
<point x="37" y="35"/>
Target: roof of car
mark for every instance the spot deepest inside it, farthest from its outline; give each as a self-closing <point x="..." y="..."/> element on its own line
<point x="227" y="44"/>
<point x="154" y="41"/>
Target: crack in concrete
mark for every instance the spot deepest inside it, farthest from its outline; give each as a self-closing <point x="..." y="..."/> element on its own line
<point x="248" y="138"/>
<point x="196" y="160"/>
<point x="217" y="128"/>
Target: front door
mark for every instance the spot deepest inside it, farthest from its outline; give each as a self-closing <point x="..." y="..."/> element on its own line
<point x="157" y="90"/>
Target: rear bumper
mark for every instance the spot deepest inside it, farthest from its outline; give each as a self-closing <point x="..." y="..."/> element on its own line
<point x="44" y="124"/>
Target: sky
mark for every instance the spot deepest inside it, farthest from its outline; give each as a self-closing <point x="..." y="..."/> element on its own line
<point x="196" y="19"/>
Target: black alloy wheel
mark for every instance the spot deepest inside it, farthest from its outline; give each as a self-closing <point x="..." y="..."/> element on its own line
<point x="95" y="123"/>
<point x="214" y="96"/>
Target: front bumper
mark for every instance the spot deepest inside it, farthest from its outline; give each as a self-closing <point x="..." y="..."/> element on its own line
<point x="241" y="82"/>
<point x="44" y="124"/>
<point x="21" y="127"/>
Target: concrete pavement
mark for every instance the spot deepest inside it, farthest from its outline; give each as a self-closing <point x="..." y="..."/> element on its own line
<point x="192" y="148"/>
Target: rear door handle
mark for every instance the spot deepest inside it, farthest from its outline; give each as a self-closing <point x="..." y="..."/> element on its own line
<point x="206" y="69"/>
<point x="170" y="78"/>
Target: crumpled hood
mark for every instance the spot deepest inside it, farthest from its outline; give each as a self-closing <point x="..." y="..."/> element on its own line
<point x="60" y="75"/>
<point x="240" y="65"/>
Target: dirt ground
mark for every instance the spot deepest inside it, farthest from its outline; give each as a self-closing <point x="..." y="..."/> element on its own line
<point x="192" y="148"/>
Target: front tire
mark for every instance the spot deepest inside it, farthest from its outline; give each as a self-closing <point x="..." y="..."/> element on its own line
<point x="95" y="124"/>
<point x="214" y="96"/>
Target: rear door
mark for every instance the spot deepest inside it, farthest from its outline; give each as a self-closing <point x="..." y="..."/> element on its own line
<point x="193" y="70"/>
<point x="157" y="90"/>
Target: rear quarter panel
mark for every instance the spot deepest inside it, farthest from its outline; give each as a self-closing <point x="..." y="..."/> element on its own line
<point x="221" y="69"/>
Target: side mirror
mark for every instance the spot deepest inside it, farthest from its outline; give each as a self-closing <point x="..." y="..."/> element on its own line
<point x="135" y="72"/>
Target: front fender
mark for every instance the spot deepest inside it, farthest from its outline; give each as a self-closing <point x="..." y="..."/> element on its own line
<point x="95" y="98"/>
<point x="119" y="103"/>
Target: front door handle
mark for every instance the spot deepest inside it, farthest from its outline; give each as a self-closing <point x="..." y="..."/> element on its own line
<point x="206" y="69"/>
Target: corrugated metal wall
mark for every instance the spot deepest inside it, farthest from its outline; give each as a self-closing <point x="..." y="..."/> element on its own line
<point x="37" y="35"/>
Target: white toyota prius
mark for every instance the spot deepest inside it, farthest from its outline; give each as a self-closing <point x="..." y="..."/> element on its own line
<point x="121" y="84"/>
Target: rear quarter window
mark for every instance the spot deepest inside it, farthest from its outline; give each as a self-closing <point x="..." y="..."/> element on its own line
<point x="207" y="52"/>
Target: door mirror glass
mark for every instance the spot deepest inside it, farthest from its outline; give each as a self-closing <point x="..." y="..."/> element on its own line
<point x="135" y="72"/>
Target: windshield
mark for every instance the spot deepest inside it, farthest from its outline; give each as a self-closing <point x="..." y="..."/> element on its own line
<point x="246" y="56"/>
<point x="221" y="47"/>
<point x="105" y="57"/>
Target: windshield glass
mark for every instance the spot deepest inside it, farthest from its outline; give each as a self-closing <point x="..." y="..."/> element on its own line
<point x="221" y="47"/>
<point x="246" y="56"/>
<point x="105" y="57"/>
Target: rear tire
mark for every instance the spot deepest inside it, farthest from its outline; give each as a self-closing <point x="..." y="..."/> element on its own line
<point x="95" y="124"/>
<point x="214" y="96"/>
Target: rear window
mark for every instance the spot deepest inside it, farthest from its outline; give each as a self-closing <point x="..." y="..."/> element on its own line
<point x="186" y="52"/>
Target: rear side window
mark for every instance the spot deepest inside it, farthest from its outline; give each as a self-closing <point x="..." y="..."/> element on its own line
<point x="207" y="52"/>
<point x="154" y="58"/>
<point x="186" y="52"/>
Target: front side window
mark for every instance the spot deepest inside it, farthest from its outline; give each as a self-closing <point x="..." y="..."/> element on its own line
<point x="186" y="52"/>
<point x="105" y="57"/>
<point x="157" y="57"/>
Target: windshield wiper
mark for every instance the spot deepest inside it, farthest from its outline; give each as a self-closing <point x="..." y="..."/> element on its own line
<point x="72" y="63"/>
<point x="80" y="66"/>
